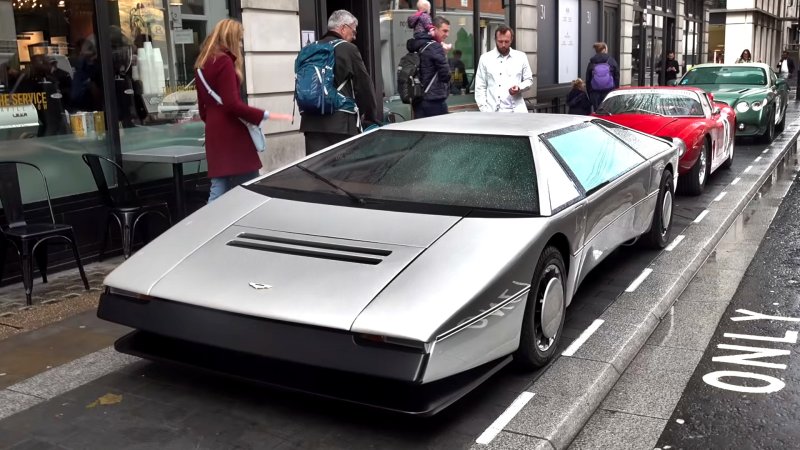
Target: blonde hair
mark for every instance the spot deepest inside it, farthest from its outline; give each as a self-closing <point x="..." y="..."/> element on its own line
<point x="578" y="84"/>
<point x="227" y="35"/>
<point x="599" y="47"/>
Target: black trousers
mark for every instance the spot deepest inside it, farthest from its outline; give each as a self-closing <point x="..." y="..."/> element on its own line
<point x="317" y="141"/>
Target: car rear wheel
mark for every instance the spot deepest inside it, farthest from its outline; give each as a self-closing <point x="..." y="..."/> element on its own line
<point x="769" y="135"/>
<point x="544" y="312"/>
<point x="658" y="236"/>
<point x="729" y="162"/>
<point x="694" y="182"/>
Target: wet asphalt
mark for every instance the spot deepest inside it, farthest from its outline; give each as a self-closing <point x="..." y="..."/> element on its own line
<point x="163" y="406"/>
<point x="745" y="392"/>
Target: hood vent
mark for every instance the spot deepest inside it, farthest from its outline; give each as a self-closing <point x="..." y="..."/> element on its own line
<point x="310" y="249"/>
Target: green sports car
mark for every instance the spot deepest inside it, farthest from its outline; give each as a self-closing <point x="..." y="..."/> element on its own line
<point x="754" y="91"/>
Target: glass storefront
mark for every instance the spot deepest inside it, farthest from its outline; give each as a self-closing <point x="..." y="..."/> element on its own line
<point x="51" y="92"/>
<point x="652" y="39"/>
<point x="54" y="89"/>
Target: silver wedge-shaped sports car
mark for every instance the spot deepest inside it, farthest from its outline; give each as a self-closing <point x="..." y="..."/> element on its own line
<point x="404" y="266"/>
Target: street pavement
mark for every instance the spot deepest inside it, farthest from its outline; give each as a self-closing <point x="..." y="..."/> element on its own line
<point x="745" y="392"/>
<point x="145" y="405"/>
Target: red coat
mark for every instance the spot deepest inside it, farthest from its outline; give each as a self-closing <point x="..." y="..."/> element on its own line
<point x="229" y="148"/>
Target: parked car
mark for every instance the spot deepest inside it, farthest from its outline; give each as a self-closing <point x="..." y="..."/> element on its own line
<point x="688" y="113"/>
<point x="753" y="90"/>
<point x="425" y="255"/>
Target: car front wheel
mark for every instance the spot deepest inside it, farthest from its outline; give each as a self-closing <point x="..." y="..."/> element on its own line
<point x="658" y="236"/>
<point x="769" y="135"/>
<point x="694" y="182"/>
<point x="544" y="312"/>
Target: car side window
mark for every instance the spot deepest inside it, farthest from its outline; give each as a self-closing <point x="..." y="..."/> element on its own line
<point x="594" y="156"/>
<point x="707" y="106"/>
<point x="772" y="76"/>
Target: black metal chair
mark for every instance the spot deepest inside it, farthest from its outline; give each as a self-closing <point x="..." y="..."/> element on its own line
<point x="122" y="204"/>
<point x="29" y="239"/>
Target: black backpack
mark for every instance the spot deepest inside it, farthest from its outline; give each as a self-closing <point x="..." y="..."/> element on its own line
<point x="409" y="86"/>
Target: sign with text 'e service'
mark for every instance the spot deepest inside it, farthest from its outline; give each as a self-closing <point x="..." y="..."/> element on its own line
<point x="568" y="40"/>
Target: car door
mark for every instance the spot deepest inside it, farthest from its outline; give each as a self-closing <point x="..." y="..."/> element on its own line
<point x="614" y="179"/>
<point x="719" y="129"/>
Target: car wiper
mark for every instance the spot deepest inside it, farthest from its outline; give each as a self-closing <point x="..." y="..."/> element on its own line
<point x="352" y="196"/>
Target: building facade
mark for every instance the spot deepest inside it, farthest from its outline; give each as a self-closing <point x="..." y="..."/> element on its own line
<point x="114" y="77"/>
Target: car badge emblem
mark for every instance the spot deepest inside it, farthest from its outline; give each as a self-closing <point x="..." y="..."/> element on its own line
<point x="260" y="286"/>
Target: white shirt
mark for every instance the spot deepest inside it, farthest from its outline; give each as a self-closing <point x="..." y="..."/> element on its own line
<point x="785" y="66"/>
<point x="496" y="75"/>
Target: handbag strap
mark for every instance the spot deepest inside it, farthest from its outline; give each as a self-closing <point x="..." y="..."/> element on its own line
<point x="210" y="91"/>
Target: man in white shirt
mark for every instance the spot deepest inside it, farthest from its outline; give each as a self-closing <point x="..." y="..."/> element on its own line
<point x="785" y="66"/>
<point x="503" y="75"/>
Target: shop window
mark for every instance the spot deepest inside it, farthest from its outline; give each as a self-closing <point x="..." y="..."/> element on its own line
<point x="394" y="34"/>
<point x="154" y="82"/>
<point x="51" y="91"/>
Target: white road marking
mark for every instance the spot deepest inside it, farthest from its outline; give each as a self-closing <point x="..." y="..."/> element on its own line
<point x="576" y="344"/>
<point x="675" y="243"/>
<point x="758" y="158"/>
<point x="735" y="181"/>
<point x="765" y="151"/>
<point x="645" y="273"/>
<point x="748" y="169"/>
<point x="701" y="216"/>
<point x="497" y="426"/>
<point x="720" y="196"/>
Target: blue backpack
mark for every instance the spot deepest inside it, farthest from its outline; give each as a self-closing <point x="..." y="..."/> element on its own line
<point x="602" y="79"/>
<point x="314" y="88"/>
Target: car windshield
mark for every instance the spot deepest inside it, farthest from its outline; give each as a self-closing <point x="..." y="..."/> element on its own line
<point x="742" y="75"/>
<point x="392" y="168"/>
<point x="644" y="102"/>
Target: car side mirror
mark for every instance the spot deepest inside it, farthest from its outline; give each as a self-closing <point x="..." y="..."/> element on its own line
<point x="716" y="111"/>
<point x="672" y="83"/>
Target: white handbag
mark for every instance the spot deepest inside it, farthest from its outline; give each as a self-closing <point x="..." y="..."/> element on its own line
<point x="255" y="131"/>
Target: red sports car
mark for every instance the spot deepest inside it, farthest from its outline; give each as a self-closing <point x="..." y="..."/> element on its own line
<point x="691" y="114"/>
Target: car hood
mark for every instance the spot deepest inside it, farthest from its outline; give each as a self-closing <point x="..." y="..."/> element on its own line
<point x="731" y="93"/>
<point x="299" y="262"/>
<point x="646" y="123"/>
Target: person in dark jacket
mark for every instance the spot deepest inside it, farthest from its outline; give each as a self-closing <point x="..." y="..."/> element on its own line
<point x="230" y="152"/>
<point x="671" y="69"/>
<point x="602" y="74"/>
<point x="434" y="70"/>
<point x="785" y="67"/>
<point x="324" y="131"/>
<point x="578" y="99"/>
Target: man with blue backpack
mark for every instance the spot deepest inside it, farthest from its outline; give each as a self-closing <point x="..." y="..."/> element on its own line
<point x="333" y="89"/>
<point x="602" y="74"/>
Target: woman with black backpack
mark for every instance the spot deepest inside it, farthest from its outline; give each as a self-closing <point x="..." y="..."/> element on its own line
<point x="602" y="74"/>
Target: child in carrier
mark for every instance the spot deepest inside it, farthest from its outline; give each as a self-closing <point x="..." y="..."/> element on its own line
<point x="578" y="99"/>
<point x="422" y="23"/>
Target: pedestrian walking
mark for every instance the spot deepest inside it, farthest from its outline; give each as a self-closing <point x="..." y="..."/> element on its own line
<point x="785" y="66"/>
<point x="602" y="74"/>
<point x="230" y="151"/>
<point x="745" y="57"/>
<point x="578" y="99"/>
<point x="434" y="70"/>
<point x="351" y="80"/>
<point x="503" y="75"/>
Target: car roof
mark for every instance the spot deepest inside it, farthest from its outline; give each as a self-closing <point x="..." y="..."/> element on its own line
<point x="506" y="124"/>
<point x="661" y="88"/>
<point x="759" y="65"/>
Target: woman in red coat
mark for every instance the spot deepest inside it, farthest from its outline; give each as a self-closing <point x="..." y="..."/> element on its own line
<point x="230" y="152"/>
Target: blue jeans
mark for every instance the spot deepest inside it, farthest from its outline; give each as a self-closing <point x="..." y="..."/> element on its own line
<point x="222" y="185"/>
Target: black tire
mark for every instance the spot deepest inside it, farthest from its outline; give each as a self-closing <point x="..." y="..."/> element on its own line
<point x="729" y="162"/>
<point x="782" y="124"/>
<point x="769" y="135"/>
<point x="658" y="235"/>
<point x="535" y="350"/>
<point x="691" y="184"/>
